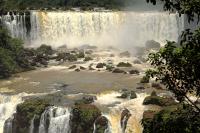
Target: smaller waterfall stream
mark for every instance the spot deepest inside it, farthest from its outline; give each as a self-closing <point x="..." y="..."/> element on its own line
<point x="8" y="105"/>
<point x="55" y="120"/>
<point x="114" y="115"/>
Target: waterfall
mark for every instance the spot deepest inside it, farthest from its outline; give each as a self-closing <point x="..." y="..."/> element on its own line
<point x="116" y="123"/>
<point x="122" y="29"/>
<point x="8" y="105"/>
<point x="55" y="120"/>
<point x="8" y="125"/>
<point x="32" y="125"/>
<point x="16" y="24"/>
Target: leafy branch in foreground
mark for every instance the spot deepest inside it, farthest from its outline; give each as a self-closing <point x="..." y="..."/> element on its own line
<point x="188" y="7"/>
<point x="177" y="67"/>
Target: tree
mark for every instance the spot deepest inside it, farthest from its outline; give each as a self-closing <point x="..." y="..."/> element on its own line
<point x="188" y="7"/>
<point x="177" y="65"/>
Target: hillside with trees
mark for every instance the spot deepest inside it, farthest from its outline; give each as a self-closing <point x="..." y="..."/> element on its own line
<point x="64" y="4"/>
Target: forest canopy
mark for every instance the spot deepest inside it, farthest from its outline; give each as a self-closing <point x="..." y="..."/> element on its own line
<point x="37" y="4"/>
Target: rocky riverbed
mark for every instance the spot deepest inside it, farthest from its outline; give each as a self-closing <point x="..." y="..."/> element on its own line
<point x="80" y="90"/>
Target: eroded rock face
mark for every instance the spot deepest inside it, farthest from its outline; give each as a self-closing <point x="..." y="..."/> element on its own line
<point x="25" y="113"/>
<point x="101" y="124"/>
<point x="125" y="115"/>
<point x="83" y="117"/>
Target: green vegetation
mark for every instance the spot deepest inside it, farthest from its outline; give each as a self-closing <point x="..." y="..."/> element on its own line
<point x="12" y="55"/>
<point x="123" y="64"/>
<point x="26" y="111"/>
<point x="64" y="4"/>
<point x="157" y="100"/>
<point x="188" y="7"/>
<point x="172" y="119"/>
<point x="177" y="67"/>
<point x="83" y="118"/>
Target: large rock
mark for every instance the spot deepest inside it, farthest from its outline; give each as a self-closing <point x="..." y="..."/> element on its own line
<point x="72" y="67"/>
<point x="118" y="71"/>
<point x="83" y="118"/>
<point x="125" y="115"/>
<point x="85" y="100"/>
<point x="88" y="58"/>
<point x="151" y="44"/>
<point x="128" y="94"/>
<point x="160" y="101"/>
<point x="101" y="124"/>
<point x="25" y="113"/>
<point x="134" y="72"/>
<point x="123" y="64"/>
<point x="100" y="65"/>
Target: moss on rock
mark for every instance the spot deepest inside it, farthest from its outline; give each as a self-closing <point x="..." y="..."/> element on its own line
<point x="25" y="113"/>
<point x="160" y="101"/>
<point x="83" y="118"/>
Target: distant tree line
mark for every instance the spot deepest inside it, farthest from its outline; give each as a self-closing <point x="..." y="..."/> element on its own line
<point x="37" y="4"/>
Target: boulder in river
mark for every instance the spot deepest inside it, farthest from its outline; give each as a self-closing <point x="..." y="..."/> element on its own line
<point x="125" y="115"/>
<point x="82" y="68"/>
<point x="160" y="101"/>
<point x="123" y="64"/>
<point x="101" y="124"/>
<point x="125" y="54"/>
<point x="85" y="100"/>
<point x="88" y="58"/>
<point x="100" y="65"/>
<point x="127" y="94"/>
<point x="117" y="70"/>
<point x="134" y="72"/>
<point x="72" y="67"/>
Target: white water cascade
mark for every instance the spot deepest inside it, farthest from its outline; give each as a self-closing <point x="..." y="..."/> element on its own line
<point x="55" y="120"/>
<point x="135" y="107"/>
<point x="16" y="24"/>
<point x="8" y="105"/>
<point x="122" y="29"/>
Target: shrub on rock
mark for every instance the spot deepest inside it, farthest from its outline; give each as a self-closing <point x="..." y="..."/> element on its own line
<point x="173" y="119"/>
<point x="83" y="118"/>
<point x="88" y="58"/>
<point x="123" y="64"/>
<point x="100" y="65"/>
<point x="160" y="101"/>
<point x="25" y="113"/>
